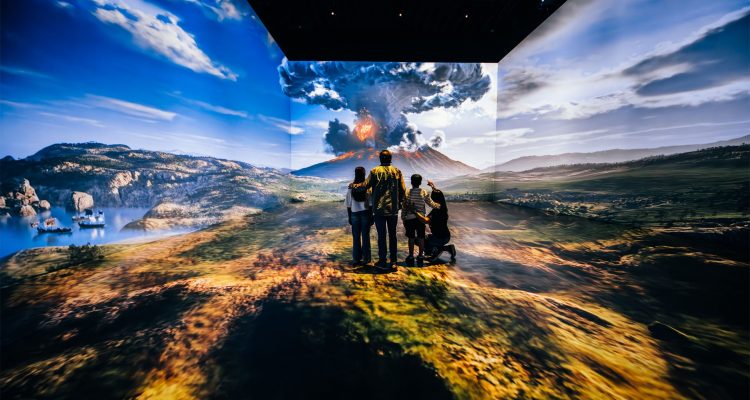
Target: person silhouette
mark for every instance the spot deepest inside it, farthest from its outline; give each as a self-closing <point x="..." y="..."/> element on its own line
<point x="360" y="218"/>
<point x="388" y="191"/>
<point x="440" y="236"/>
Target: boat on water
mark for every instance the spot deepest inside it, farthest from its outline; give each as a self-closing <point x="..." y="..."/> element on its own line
<point x="83" y="215"/>
<point x="50" y="225"/>
<point x="91" y="220"/>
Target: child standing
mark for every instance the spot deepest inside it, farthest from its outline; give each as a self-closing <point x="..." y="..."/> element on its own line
<point x="414" y="217"/>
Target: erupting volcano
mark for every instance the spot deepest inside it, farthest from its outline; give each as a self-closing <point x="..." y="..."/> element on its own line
<point x="382" y="95"/>
<point x="425" y="161"/>
<point x="365" y="126"/>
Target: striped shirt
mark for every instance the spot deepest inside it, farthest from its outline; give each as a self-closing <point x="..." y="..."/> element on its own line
<point x="416" y="199"/>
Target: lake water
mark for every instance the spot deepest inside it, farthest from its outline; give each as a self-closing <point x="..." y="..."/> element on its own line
<point x="17" y="234"/>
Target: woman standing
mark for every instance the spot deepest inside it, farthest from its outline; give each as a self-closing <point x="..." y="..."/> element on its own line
<point x="360" y="218"/>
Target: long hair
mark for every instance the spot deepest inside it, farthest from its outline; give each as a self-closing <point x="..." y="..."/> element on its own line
<point x="359" y="177"/>
<point x="438" y="197"/>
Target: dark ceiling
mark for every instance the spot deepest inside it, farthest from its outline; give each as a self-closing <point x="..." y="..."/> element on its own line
<point x="390" y="30"/>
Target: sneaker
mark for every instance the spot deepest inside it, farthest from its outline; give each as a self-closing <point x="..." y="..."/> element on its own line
<point x="381" y="264"/>
<point x="420" y="261"/>
<point x="410" y="261"/>
<point x="366" y="262"/>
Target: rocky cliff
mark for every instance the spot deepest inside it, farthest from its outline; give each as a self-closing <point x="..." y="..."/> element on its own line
<point x="80" y="201"/>
<point x="118" y="176"/>
<point x="20" y="198"/>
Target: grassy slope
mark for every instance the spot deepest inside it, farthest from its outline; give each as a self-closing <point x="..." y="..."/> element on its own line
<point x="697" y="188"/>
<point x="537" y="307"/>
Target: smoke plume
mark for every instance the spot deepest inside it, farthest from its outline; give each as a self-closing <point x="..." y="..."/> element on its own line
<point x="383" y="92"/>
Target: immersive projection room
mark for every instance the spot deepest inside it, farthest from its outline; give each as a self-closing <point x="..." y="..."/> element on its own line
<point x="479" y="199"/>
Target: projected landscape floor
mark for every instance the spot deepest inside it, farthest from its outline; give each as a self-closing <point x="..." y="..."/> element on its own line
<point x="266" y="306"/>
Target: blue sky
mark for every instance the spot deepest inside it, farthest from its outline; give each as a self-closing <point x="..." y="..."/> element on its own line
<point x="609" y="74"/>
<point x="188" y="76"/>
<point x="200" y="77"/>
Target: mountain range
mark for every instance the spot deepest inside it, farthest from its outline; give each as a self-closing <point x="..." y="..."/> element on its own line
<point x="606" y="156"/>
<point x="181" y="189"/>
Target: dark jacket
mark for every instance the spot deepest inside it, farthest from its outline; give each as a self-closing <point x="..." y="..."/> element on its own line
<point x="439" y="224"/>
<point x="388" y="189"/>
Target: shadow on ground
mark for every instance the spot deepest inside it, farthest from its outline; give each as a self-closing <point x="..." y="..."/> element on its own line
<point x="536" y="306"/>
<point x="302" y="352"/>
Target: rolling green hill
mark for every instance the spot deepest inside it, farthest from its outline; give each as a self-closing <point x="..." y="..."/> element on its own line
<point x="705" y="188"/>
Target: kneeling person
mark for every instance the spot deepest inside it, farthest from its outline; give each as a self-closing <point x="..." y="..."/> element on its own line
<point x="440" y="235"/>
<point x="414" y="219"/>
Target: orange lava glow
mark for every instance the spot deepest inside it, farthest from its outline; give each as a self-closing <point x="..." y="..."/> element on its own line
<point x="365" y="128"/>
<point x="344" y="156"/>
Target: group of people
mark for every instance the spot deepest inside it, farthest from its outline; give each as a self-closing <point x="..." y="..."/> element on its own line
<point x="377" y="199"/>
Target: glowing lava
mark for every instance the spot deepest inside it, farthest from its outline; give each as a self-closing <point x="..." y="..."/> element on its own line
<point x="364" y="126"/>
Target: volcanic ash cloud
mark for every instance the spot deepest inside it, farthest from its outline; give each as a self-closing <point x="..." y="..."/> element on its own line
<point x="381" y="94"/>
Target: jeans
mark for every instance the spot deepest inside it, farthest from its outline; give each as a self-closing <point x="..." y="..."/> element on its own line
<point x="361" y="236"/>
<point x="383" y="222"/>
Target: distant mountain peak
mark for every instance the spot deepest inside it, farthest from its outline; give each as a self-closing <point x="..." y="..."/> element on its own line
<point x="72" y="149"/>
<point x="426" y="161"/>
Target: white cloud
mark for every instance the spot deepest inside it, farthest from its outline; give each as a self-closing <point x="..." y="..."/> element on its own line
<point x="519" y="136"/>
<point x="211" y="107"/>
<point x="484" y="108"/>
<point x="295" y="130"/>
<point x="282" y="124"/>
<point x="565" y="90"/>
<point x="129" y="108"/>
<point x="157" y="30"/>
<point x="189" y="139"/>
<point x="16" y="104"/>
<point x="317" y="124"/>
<point x="435" y="118"/>
<point x="23" y="72"/>
<point x="322" y="91"/>
<point x="481" y="139"/>
<point x="229" y="10"/>
<point x="221" y="9"/>
<point x="573" y="94"/>
<point x="219" y="109"/>
<point x="70" y="118"/>
<point x="63" y="4"/>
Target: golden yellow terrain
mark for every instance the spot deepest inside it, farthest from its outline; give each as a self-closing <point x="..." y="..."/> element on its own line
<point x="266" y="306"/>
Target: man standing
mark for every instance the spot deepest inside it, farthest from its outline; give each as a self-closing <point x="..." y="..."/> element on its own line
<point x="388" y="190"/>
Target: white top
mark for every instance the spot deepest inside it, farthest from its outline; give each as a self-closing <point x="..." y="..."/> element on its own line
<point x="355" y="205"/>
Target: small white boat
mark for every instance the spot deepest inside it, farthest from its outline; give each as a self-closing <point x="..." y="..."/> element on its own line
<point x="91" y="220"/>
